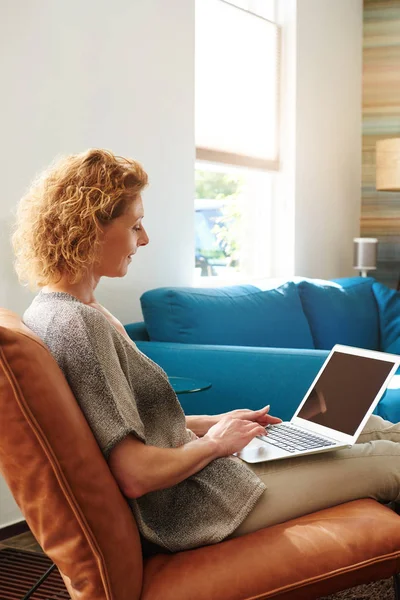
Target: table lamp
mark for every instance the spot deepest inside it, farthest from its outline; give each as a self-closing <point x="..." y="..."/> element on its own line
<point x="365" y="255"/>
<point x="388" y="165"/>
<point x="388" y="168"/>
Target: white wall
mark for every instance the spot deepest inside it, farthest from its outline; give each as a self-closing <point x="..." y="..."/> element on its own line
<point x="94" y="74"/>
<point x="121" y="76"/>
<point x="328" y="136"/>
<point x="116" y="75"/>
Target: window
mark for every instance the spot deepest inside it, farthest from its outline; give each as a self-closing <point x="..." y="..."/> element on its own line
<point x="232" y="207"/>
<point x="237" y="83"/>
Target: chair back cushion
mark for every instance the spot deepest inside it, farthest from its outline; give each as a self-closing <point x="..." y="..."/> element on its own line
<point x="342" y="311"/>
<point x="240" y="315"/>
<point x="58" y="475"/>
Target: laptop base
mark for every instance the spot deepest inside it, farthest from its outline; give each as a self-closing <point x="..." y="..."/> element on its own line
<point x="259" y="451"/>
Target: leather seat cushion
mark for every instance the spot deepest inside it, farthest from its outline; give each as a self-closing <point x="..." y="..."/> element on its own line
<point x="308" y="557"/>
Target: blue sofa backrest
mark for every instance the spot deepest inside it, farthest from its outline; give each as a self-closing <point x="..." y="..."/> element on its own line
<point x="342" y="311"/>
<point x="308" y="313"/>
<point x="240" y="315"/>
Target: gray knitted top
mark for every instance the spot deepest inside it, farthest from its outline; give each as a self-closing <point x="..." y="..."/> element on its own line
<point x="122" y="392"/>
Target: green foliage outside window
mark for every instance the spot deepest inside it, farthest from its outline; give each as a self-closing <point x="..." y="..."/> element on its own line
<point x="226" y="187"/>
<point x="219" y="186"/>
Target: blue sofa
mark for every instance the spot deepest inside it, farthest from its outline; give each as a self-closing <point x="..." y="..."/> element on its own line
<point x="264" y="346"/>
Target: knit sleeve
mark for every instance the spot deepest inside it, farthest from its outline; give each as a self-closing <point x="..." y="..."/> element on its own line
<point x="86" y="353"/>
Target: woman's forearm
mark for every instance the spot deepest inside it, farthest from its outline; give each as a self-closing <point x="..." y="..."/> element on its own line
<point x="200" y="424"/>
<point x="140" y="469"/>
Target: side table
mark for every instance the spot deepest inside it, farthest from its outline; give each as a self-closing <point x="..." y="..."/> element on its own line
<point x="185" y="385"/>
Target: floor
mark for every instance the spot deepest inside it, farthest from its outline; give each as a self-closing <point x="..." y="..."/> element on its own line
<point x="23" y="541"/>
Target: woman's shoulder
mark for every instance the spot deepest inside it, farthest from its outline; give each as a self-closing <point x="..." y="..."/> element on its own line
<point x="60" y="315"/>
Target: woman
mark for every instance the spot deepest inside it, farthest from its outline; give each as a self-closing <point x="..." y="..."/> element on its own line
<point x="82" y="220"/>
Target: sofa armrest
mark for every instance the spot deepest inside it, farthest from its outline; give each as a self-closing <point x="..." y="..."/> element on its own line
<point x="137" y="331"/>
<point x="241" y="377"/>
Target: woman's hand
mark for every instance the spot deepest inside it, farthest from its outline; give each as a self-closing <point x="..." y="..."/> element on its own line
<point x="259" y="416"/>
<point x="200" y="425"/>
<point x="232" y="434"/>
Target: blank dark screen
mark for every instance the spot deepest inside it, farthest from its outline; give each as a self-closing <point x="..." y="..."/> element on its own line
<point x="344" y="392"/>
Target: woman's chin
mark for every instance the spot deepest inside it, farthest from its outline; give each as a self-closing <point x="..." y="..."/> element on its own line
<point x="121" y="272"/>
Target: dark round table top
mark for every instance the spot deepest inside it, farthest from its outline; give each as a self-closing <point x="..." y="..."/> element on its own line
<point x="185" y="385"/>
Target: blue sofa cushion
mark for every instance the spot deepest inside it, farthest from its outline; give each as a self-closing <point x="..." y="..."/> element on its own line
<point x="341" y="312"/>
<point x="389" y="317"/>
<point x="232" y="315"/>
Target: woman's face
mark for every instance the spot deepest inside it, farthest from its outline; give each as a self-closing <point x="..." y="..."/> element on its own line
<point x="120" y="240"/>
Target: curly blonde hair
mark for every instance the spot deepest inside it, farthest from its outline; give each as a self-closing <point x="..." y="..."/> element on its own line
<point x="58" y="221"/>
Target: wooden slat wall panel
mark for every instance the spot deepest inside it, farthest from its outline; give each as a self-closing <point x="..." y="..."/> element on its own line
<point x="380" y="211"/>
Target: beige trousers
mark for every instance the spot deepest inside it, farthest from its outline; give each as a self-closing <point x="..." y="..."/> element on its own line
<point x="298" y="486"/>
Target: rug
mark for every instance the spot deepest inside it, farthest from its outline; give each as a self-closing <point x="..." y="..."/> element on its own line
<point x="21" y="569"/>
<point x="378" y="590"/>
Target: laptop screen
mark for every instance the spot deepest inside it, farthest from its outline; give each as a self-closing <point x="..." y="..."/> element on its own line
<point x="345" y="391"/>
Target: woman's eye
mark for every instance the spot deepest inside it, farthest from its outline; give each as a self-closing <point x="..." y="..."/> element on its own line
<point x="137" y="228"/>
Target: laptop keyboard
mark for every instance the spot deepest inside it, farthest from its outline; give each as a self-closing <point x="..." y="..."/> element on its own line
<point x="290" y="438"/>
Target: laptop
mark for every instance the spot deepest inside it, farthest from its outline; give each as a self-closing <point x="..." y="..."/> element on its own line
<point x="334" y="410"/>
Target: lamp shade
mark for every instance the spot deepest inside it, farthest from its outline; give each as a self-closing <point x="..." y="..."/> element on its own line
<point x="388" y="165"/>
<point x="365" y="254"/>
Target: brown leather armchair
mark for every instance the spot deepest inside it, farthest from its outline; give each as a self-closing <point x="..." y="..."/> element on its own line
<point x="72" y="504"/>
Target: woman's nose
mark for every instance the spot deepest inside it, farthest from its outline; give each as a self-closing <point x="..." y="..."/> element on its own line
<point x="144" y="238"/>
